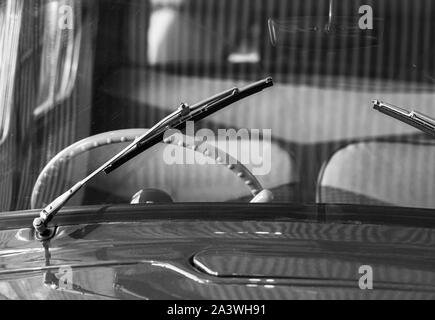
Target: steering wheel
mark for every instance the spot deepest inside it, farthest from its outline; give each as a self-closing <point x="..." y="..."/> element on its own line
<point x="128" y="135"/>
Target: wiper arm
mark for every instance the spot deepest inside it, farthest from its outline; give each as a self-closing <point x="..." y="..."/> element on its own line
<point x="414" y="118"/>
<point x="176" y="120"/>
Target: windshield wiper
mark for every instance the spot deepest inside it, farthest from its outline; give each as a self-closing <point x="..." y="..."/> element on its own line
<point x="176" y="120"/>
<point x="414" y="118"/>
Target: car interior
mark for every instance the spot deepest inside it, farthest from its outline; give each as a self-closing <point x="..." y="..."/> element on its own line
<point x="71" y="98"/>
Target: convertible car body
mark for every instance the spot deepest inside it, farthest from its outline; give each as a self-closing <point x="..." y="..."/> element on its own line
<point x="221" y="252"/>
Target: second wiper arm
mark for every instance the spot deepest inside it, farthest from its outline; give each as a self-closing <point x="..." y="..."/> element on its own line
<point x="414" y="118"/>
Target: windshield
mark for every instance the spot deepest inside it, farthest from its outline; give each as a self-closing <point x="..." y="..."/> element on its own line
<point x="81" y="79"/>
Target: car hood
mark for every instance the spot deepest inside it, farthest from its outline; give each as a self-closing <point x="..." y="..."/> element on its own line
<point x="219" y="252"/>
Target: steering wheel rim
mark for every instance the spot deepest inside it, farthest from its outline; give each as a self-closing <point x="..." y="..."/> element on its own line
<point x="128" y="135"/>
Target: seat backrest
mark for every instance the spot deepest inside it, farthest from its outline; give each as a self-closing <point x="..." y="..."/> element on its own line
<point x="380" y="173"/>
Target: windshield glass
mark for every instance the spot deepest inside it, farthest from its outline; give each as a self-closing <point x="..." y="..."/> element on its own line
<point x="80" y="79"/>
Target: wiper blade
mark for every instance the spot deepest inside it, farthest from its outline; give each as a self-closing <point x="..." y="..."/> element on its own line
<point x="176" y="120"/>
<point x="414" y="118"/>
<point x="196" y="112"/>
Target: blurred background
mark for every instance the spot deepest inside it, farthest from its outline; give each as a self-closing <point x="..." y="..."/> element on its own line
<point x="127" y="63"/>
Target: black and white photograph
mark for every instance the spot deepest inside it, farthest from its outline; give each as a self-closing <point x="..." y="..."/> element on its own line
<point x="217" y="156"/>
